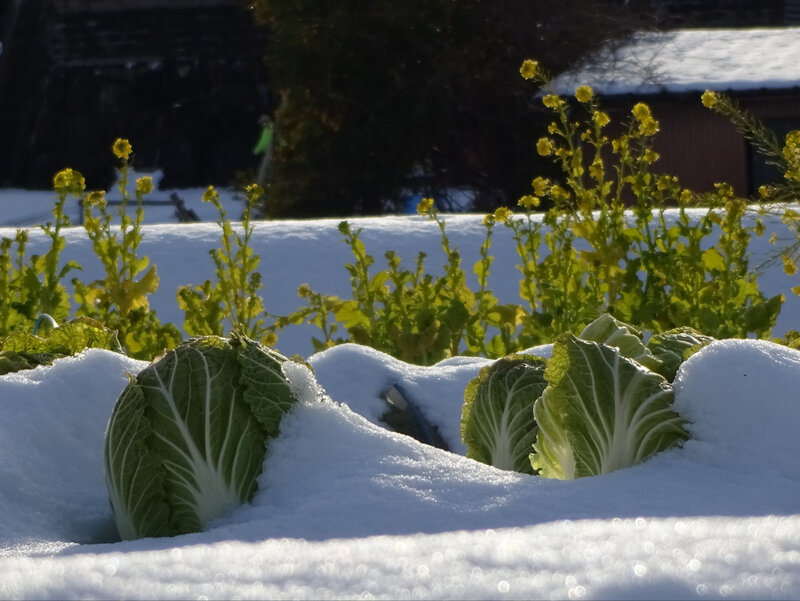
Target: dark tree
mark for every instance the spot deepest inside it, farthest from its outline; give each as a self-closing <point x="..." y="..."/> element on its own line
<point x="381" y="96"/>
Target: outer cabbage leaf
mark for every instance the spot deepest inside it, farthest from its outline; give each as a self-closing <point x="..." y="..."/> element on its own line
<point x="674" y="346"/>
<point x="188" y="436"/>
<point x="608" y="330"/>
<point x="497" y="422"/>
<point x="600" y="412"/>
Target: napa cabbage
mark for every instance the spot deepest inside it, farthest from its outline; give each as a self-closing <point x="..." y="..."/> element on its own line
<point x="188" y="435"/>
<point x="497" y="423"/>
<point x="601" y="411"/>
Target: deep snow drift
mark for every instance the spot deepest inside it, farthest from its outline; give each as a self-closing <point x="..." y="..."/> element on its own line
<point x="346" y="508"/>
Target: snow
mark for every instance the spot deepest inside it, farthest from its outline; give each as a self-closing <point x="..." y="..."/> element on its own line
<point x="348" y="509"/>
<point x="689" y="60"/>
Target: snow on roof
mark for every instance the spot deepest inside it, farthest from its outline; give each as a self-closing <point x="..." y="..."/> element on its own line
<point x="692" y="60"/>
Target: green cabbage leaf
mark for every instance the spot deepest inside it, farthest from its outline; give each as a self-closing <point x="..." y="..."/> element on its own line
<point x="600" y="412"/>
<point x="188" y="435"/>
<point x="497" y="422"/>
<point x="673" y="347"/>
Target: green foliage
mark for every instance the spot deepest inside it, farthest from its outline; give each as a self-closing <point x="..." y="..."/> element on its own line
<point x="408" y="313"/>
<point x="120" y="299"/>
<point x="234" y="296"/>
<point x="22" y="350"/>
<point x="187" y="438"/>
<point x="32" y="286"/>
<point x="599" y="404"/>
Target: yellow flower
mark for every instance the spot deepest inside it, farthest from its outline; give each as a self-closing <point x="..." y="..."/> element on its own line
<point x="773" y="238"/>
<point x="253" y="192"/>
<point x="791" y="152"/>
<point x="647" y="125"/>
<point x="788" y="265"/>
<point x="759" y="228"/>
<point x="269" y="339"/>
<point x="641" y="111"/>
<point x="304" y="291"/>
<point x="96" y="198"/>
<point x="488" y="220"/>
<point x="650" y="156"/>
<point x="144" y="185"/>
<point x="502" y="214"/>
<point x="709" y="99"/>
<point x="559" y="193"/>
<point x="686" y="196"/>
<point x="69" y="181"/>
<point x="552" y="101"/>
<point x="584" y="94"/>
<point x="425" y="206"/>
<point x="122" y="149"/>
<point x="765" y="191"/>
<point x="211" y="195"/>
<point x="529" y="69"/>
<point x="600" y="118"/>
<point x="539" y="185"/>
<point x="528" y="202"/>
<point x="544" y="147"/>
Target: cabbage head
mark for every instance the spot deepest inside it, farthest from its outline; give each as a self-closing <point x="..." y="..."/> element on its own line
<point x="601" y="412"/>
<point x="188" y="435"/>
<point x="497" y="423"/>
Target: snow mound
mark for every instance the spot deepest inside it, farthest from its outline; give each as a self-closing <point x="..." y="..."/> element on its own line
<point x="346" y="508"/>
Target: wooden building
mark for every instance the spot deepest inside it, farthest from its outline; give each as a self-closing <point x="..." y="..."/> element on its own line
<point x="759" y="68"/>
<point x="182" y="79"/>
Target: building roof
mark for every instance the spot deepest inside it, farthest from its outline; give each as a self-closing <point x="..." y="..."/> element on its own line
<point x="690" y="60"/>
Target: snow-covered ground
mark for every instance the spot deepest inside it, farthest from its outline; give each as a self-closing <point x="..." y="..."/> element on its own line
<point x="347" y="509"/>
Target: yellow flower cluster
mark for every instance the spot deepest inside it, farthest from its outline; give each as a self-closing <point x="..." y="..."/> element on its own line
<point x="791" y="152"/>
<point x="96" y="198"/>
<point x="425" y="206"/>
<point x="600" y="118"/>
<point x="304" y="291"/>
<point x="529" y="202"/>
<point x="502" y="214"/>
<point x="253" y="192"/>
<point x="122" y="149"/>
<point x="709" y="99"/>
<point x="553" y="101"/>
<point x="144" y="185"/>
<point x="545" y="147"/>
<point x="540" y="185"/>
<point x="789" y="266"/>
<point x="211" y="195"/>
<point x="69" y="181"/>
<point x="647" y="125"/>
<point x="529" y="69"/>
<point x="584" y="94"/>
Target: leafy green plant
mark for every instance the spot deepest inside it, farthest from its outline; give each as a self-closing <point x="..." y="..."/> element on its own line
<point x="188" y="435"/>
<point x="30" y="286"/>
<point x="23" y="350"/>
<point x="600" y="412"/>
<point x="497" y="422"/>
<point x="120" y="299"/>
<point x="234" y="298"/>
<point x="409" y="314"/>
<point x="609" y="245"/>
<point x="600" y="403"/>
